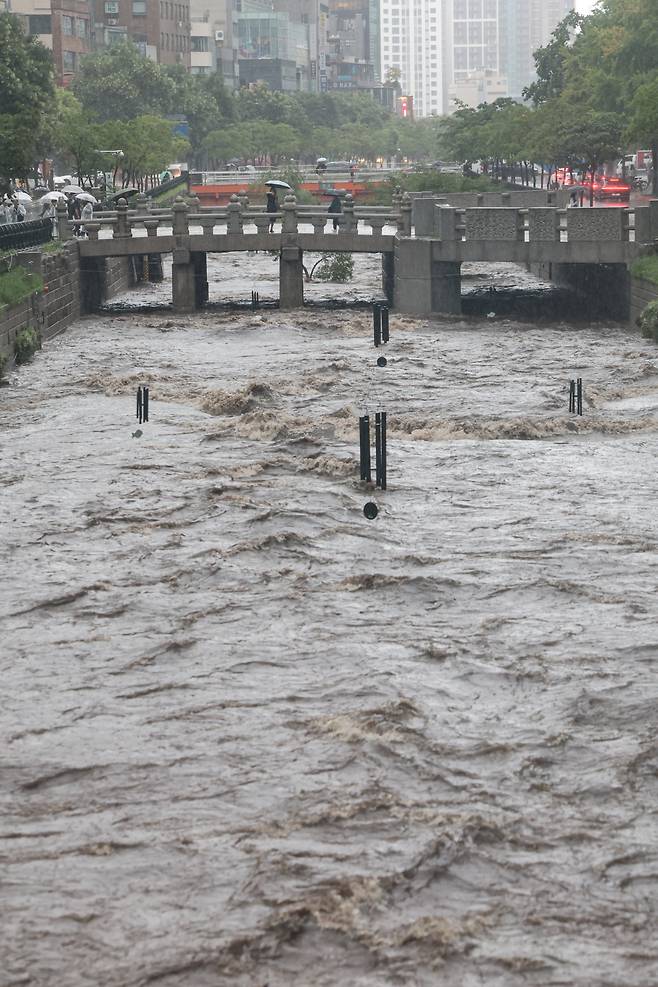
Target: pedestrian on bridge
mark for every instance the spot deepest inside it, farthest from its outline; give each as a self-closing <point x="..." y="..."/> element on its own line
<point x="335" y="207"/>
<point x="272" y="206"/>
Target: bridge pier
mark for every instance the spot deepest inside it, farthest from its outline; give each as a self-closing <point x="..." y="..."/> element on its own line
<point x="291" y="278"/>
<point x="183" y="282"/>
<point x="424" y="285"/>
<point x="388" y="276"/>
<point x="200" y="264"/>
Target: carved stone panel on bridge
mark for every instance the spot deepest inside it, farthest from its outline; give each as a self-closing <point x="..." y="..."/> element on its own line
<point x="493" y="224"/>
<point x="596" y="224"/>
<point x="543" y="225"/>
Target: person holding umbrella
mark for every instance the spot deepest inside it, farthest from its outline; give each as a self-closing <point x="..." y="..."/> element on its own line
<point x="271" y="206"/>
<point x="335" y="207"/>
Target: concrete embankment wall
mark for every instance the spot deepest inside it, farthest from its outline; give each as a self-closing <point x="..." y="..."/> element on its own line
<point x="642" y="292"/>
<point x="60" y="303"/>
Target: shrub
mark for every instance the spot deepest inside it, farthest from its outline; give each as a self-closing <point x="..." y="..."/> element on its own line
<point x="646" y="268"/>
<point x="18" y="284"/>
<point x="336" y="267"/>
<point x="440" y="183"/>
<point x="649" y="321"/>
<point x="27" y="342"/>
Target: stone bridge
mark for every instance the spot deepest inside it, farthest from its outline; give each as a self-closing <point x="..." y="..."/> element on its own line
<point x="590" y="249"/>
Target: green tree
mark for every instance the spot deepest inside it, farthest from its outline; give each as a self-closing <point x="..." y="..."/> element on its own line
<point x="643" y="123"/>
<point x="75" y="137"/>
<point x="121" y="84"/>
<point x="149" y="145"/>
<point x="26" y="96"/>
<point x="551" y="61"/>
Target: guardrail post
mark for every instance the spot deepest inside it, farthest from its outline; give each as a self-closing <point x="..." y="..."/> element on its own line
<point x="63" y="231"/>
<point x="92" y="230"/>
<point x="349" y="223"/>
<point x="243" y="196"/>
<point x="446" y="221"/>
<point x="234" y="219"/>
<point x="180" y="224"/>
<point x="289" y="209"/>
<point x="121" y="224"/>
<point x="404" y="223"/>
<point x="141" y="204"/>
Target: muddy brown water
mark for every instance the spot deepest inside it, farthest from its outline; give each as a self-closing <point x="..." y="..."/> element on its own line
<point x="249" y="737"/>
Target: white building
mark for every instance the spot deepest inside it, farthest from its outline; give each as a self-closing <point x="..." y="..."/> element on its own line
<point x="412" y="42"/>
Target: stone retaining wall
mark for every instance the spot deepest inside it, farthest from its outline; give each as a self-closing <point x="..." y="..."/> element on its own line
<point x="59" y="305"/>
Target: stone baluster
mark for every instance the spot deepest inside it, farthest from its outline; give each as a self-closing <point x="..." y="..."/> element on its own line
<point x="349" y="222"/>
<point x="319" y="223"/>
<point x="180" y="225"/>
<point x="289" y="210"/>
<point x="207" y="222"/>
<point x="121" y="223"/>
<point x="141" y="204"/>
<point x="92" y="230"/>
<point x="234" y="221"/>
<point x="151" y="226"/>
<point x="243" y="196"/>
<point x="404" y="222"/>
<point x="63" y="231"/>
<point x="194" y="203"/>
<point x="262" y="221"/>
<point x="377" y="223"/>
<point x="396" y="198"/>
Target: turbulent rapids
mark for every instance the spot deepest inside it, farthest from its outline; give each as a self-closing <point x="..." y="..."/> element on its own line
<point x="251" y="738"/>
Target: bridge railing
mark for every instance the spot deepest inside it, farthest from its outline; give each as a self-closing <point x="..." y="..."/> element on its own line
<point x="543" y="224"/>
<point x="183" y="220"/>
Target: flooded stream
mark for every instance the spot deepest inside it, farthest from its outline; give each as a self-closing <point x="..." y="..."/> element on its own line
<point x="251" y="738"/>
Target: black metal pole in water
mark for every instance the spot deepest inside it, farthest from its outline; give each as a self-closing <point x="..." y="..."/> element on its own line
<point x="572" y="395"/>
<point x="145" y="393"/>
<point x="139" y="405"/>
<point x="384" y="311"/>
<point x="382" y="470"/>
<point x="377" y="323"/>
<point x="364" y="448"/>
<point x="579" y="394"/>
<point x="378" y="448"/>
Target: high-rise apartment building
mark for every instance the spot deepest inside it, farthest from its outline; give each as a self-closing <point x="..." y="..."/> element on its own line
<point x="64" y="26"/>
<point x="349" y="47"/>
<point x="525" y="26"/>
<point x="160" y="29"/>
<point x="412" y="46"/>
<point x="474" y="54"/>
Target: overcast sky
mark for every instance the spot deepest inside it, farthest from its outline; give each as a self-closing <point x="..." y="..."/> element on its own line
<point x="584" y="6"/>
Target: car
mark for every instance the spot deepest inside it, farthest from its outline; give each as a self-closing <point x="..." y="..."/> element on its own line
<point x="613" y="188"/>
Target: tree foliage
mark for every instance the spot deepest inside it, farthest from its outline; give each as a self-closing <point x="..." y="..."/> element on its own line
<point x="26" y="95"/>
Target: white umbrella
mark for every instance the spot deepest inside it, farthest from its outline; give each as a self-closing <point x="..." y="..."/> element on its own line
<point x="52" y="197"/>
<point x="276" y="183"/>
<point x="22" y="196"/>
<point x="71" y="188"/>
<point x="86" y="197"/>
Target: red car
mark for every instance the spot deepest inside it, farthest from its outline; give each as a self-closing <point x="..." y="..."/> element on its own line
<point x="613" y="188"/>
